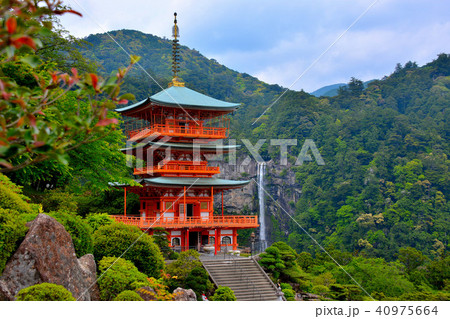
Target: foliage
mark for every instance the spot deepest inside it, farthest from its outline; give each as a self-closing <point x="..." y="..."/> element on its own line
<point x="45" y="292"/>
<point x="33" y="126"/>
<point x="11" y="196"/>
<point x="223" y="293"/>
<point x="376" y="275"/>
<point x="180" y="269"/>
<point x="128" y="295"/>
<point x="288" y="291"/>
<point x="438" y="273"/>
<point x="160" y="239"/>
<point x="117" y="238"/>
<point x="58" y="200"/>
<point x="95" y="221"/>
<point x="78" y="229"/>
<point x="160" y="290"/>
<point x="12" y="232"/>
<point x="280" y="260"/>
<point x="117" y="275"/>
<point x="198" y="281"/>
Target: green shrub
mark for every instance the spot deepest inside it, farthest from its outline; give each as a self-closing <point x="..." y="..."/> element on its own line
<point x="128" y="295"/>
<point x="98" y="220"/>
<point x="12" y="232"/>
<point x="223" y="294"/>
<point x="12" y="200"/>
<point x="120" y="277"/>
<point x="160" y="239"/>
<point x="115" y="239"/>
<point x="198" y="280"/>
<point x="180" y="269"/>
<point x="78" y="229"/>
<point x="45" y="292"/>
<point x="57" y="200"/>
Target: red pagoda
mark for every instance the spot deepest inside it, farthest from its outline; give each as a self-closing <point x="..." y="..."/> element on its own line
<point x="171" y="132"/>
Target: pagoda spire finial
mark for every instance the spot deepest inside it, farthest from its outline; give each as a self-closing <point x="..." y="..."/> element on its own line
<point x="175" y="53"/>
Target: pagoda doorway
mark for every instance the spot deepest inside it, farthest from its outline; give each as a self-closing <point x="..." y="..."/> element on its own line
<point x="190" y="210"/>
<point x="193" y="240"/>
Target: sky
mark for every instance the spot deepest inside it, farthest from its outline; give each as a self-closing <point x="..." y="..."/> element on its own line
<point x="298" y="44"/>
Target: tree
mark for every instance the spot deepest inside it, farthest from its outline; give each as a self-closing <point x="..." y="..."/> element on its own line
<point x="411" y="258"/>
<point x="28" y="132"/>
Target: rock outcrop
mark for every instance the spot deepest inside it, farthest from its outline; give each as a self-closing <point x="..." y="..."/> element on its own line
<point x="181" y="294"/>
<point x="47" y="254"/>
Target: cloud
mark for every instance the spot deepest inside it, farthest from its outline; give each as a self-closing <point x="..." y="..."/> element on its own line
<point x="277" y="41"/>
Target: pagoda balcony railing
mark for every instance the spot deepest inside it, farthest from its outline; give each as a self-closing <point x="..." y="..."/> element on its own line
<point x="178" y="169"/>
<point x="238" y="221"/>
<point x="178" y="131"/>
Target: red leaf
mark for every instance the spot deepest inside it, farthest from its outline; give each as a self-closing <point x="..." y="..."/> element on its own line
<point x="65" y="11"/>
<point x="38" y="144"/>
<point x="20" y="121"/>
<point x="11" y="25"/>
<point x="25" y="40"/>
<point x="94" y="80"/>
<point x="74" y="72"/>
<point x="105" y="122"/>
<point x="32" y="119"/>
<point x="122" y="102"/>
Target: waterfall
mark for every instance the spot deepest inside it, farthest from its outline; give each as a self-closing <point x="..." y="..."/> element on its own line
<point x="262" y="216"/>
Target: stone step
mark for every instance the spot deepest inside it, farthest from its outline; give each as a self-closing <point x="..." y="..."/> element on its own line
<point x="243" y="276"/>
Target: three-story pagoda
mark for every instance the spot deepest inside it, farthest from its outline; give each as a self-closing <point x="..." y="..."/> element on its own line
<point x="171" y="132"/>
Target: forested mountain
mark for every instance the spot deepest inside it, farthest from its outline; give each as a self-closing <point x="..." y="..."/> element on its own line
<point x="385" y="184"/>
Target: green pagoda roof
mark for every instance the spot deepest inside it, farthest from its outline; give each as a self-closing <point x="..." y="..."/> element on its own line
<point x="193" y="182"/>
<point x="189" y="182"/>
<point x="176" y="96"/>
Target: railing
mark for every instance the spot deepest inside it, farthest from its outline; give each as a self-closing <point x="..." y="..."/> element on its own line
<point x="190" y="222"/>
<point x="177" y="168"/>
<point x="175" y="130"/>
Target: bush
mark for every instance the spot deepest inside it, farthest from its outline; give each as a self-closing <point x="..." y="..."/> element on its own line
<point x="12" y="200"/>
<point x="114" y="239"/>
<point x="12" y="232"/>
<point x="96" y="221"/>
<point x="78" y="229"/>
<point x="128" y="295"/>
<point x="289" y="293"/>
<point x="57" y="200"/>
<point x="120" y="277"/>
<point x="223" y="294"/>
<point x="45" y="292"/>
<point x="198" y="280"/>
<point x="180" y="269"/>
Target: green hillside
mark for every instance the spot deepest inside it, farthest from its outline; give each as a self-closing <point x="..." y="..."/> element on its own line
<point x="385" y="184"/>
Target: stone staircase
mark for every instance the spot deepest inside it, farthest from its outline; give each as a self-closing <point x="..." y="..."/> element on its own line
<point x="242" y="275"/>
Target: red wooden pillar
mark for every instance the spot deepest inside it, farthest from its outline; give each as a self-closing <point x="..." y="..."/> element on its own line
<point x="216" y="241"/>
<point x="234" y="238"/>
<point x="187" y="239"/>
<point x="125" y="200"/>
<point x="222" y="204"/>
